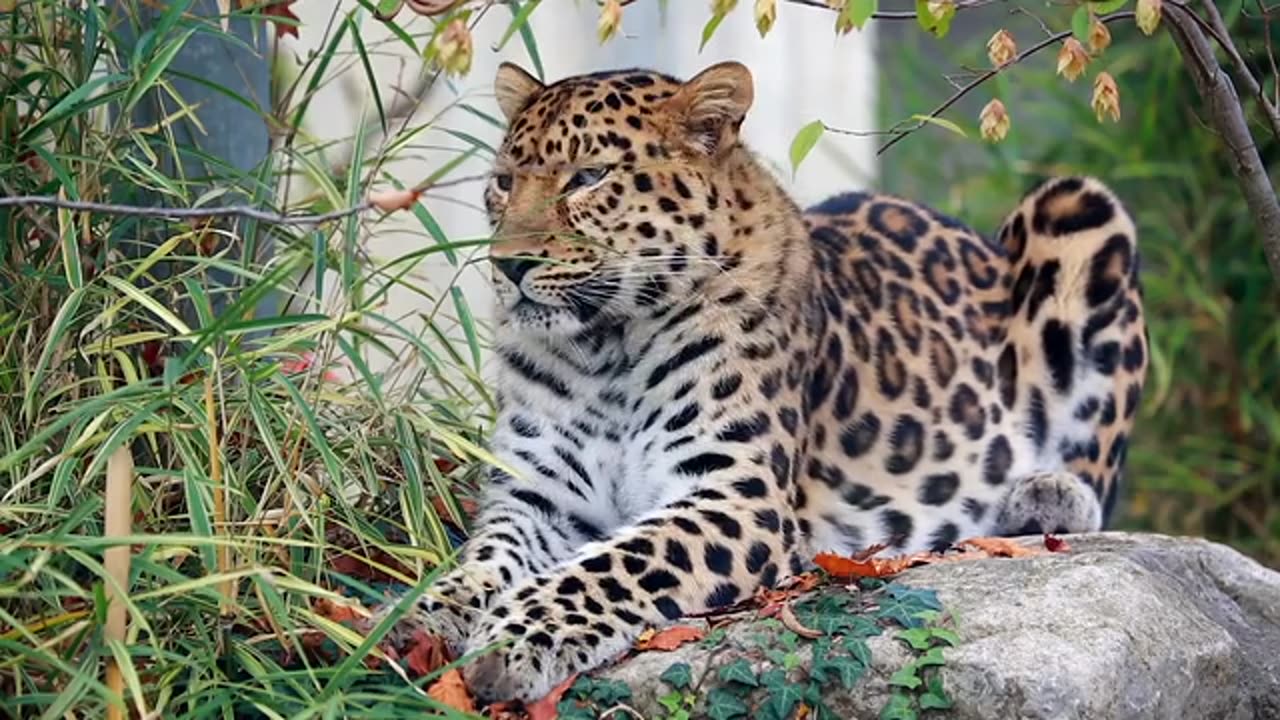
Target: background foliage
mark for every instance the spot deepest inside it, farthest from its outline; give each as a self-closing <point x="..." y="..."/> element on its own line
<point x="176" y="336"/>
<point x="1205" y="457"/>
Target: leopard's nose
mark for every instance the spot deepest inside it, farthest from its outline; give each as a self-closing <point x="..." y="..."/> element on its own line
<point x="514" y="267"/>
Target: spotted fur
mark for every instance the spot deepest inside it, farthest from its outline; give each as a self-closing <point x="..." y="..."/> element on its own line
<point x="701" y="385"/>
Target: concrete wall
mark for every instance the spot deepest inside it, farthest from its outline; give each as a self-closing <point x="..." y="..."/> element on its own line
<point x="802" y="70"/>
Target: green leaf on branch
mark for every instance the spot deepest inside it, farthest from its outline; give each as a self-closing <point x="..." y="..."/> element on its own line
<point x="858" y="12"/>
<point x="942" y="123"/>
<point x="710" y="29"/>
<point x="804" y="141"/>
<point x="938" y="24"/>
<point x="1080" y="24"/>
<point x="1108" y="6"/>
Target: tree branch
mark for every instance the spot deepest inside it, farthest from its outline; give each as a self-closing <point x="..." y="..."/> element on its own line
<point x="1216" y="28"/>
<point x="241" y="211"/>
<point x="1227" y="116"/>
<point x="877" y="15"/>
<point x="973" y="84"/>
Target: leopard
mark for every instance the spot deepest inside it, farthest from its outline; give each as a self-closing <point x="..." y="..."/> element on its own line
<point x="702" y="385"/>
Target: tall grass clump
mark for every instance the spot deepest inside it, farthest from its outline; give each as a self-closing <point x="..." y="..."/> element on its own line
<point x="1205" y="456"/>
<point x="225" y="398"/>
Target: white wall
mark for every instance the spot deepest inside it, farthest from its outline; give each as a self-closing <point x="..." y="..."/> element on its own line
<point x="802" y="70"/>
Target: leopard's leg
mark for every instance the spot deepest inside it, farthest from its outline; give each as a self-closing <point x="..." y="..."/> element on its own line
<point x="519" y="533"/>
<point x="696" y="555"/>
<point x="1075" y="352"/>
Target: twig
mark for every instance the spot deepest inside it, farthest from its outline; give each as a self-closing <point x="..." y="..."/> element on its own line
<point x="1227" y="115"/>
<point x="877" y="15"/>
<point x="241" y="211"/>
<point x="957" y="95"/>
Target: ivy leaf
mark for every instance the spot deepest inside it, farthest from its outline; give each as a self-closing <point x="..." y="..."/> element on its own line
<point x="713" y="638"/>
<point x="773" y="678"/>
<point x="678" y="676"/>
<point x="935" y="698"/>
<point x="1080" y="24"/>
<point x="858" y="650"/>
<point x="610" y="692"/>
<point x="804" y="141"/>
<point x="782" y="699"/>
<point x="906" y="677"/>
<point x="724" y="705"/>
<point x="574" y="710"/>
<point x="902" y="605"/>
<point x="918" y="638"/>
<point x="898" y="708"/>
<point x="946" y="635"/>
<point x="844" y="667"/>
<point x="672" y="700"/>
<point x="739" y="671"/>
<point x="932" y="657"/>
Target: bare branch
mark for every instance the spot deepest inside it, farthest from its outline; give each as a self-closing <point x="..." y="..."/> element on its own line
<point x="241" y="211"/>
<point x="973" y="84"/>
<point x="1216" y="28"/>
<point x="1227" y="115"/>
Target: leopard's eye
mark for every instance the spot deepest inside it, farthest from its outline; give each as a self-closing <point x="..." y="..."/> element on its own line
<point x="586" y="177"/>
<point x="503" y="181"/>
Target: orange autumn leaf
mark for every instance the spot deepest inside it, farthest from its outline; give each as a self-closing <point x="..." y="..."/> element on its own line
<point x="669" y="639"/>
<point x="545" y="709"/>
<point x="452" y="691"/>
<point x="848" y="567"/>
<point x="426" y="654"/>
<point x="999" y="547"/>
<point x="337" y="612"/>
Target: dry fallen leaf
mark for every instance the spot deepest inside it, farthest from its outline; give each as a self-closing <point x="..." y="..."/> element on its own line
<point x="999" y="547"/>
<point x="668" y="639"/>
<point x="792" y="623"/>
<point x="545" y="709"/>
<point x="390" y="200"/>
<point x="426" y="654"/>
<point x="850" y="567"/>
<point x="338" y="612"/>
<point x="452" y="691"/>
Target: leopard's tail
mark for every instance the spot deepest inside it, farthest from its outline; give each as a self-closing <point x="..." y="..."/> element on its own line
<point x="1074" y="355"/>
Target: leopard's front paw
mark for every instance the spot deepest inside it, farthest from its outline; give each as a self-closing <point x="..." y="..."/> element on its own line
<point x="539" y="646"/>
<point x="449" y="610"/>
<point x="427" y="616"/>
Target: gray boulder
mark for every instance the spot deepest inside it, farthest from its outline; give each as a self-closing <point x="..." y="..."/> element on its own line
<point x="1124" y="626"/>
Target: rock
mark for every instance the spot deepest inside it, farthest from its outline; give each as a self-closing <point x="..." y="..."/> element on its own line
<point x="1124" y="626"/>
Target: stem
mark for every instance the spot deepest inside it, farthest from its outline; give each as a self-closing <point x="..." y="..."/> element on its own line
<point x="973" y="84"/>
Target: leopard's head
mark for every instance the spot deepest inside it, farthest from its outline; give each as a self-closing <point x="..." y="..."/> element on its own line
<point x="607" y="193"/>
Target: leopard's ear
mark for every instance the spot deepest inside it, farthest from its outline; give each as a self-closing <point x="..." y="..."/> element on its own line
<point x="514" y="88"/>
<point x="710" y="107"/>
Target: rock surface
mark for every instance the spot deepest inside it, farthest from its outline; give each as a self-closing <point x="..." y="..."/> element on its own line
<point x="1124" y="626"/>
